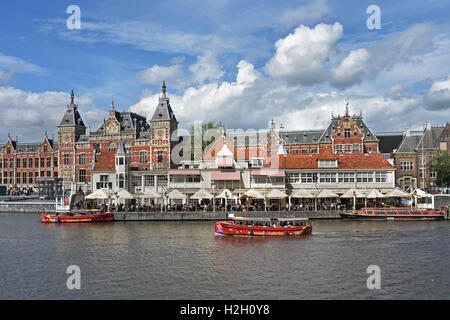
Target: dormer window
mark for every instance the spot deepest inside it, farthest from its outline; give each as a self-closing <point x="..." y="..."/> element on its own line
<point x="328" y="164"/>
<point x="257" y="162"/>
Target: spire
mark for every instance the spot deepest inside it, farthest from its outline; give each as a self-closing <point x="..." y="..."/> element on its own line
<point x="164" y="89"/>
<point x="72" y="98"/>
<point x="346" y="110"/>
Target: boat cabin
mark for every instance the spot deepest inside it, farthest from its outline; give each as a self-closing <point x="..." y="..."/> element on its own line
<point x="270" y="222"/>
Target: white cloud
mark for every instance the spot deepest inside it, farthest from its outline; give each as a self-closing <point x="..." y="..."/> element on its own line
<point x="11" y="65"/>
<point x="438" y="96"/>
<point x="307" y="14"/>
<point x="352" y="69"/>
<point x="157" y="74"/>
<point x="29" y="114"/>
<point x="207" y="68"/>
<point x="301" y="57"/>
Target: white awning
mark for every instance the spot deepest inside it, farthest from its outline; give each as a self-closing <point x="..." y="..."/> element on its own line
<point x="175" y="194"/>
<point x="276" y="194"/>
<point x="202" y="194"/>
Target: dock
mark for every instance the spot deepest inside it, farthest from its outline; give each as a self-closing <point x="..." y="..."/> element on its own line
<point x="215" y="216"/>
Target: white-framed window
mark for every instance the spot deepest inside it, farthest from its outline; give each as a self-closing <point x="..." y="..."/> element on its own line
<point x="258" y="179"/>
<point x="161" y="180"/>
<point x="193" y="178"/>
<point x="380" y="177"/>
<point x="309" y="177"/>
<point x="406" y="165"/>
<point x="328" y="164"/>
<point x="327" y="177"/>
<point x="346" y="177"/>
<point x="293" y="178"/>
<point x="355" y="148"/>
<point x="364" y="177"/>
<point x="347" y="148"/>
<point x="422" y="159"/>
<point x="82" y="158"/>
<point x="136" y="181"/>
<point x="143" y="157"/>
<point x="257" y="162"/>
<point x="149" y="181"/>
<point x="433" y="174"/>
<point x="338" y="148"/>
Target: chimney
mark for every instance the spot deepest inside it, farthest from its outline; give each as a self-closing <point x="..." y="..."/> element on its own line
<point x="426" y="126"/>
<point x="407" y="132"/>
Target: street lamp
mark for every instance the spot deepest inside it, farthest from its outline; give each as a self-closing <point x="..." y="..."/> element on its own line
<point x="315" y="197"/>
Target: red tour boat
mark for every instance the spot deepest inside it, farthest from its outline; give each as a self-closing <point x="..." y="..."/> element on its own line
<point x="64" y="212"/>
<point x="77" y="216"/>
<point x="246" y="226"/>
<point x="404" y="213"/>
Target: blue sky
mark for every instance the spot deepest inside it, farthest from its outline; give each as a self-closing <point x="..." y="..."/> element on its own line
<point x="238" y="62"/>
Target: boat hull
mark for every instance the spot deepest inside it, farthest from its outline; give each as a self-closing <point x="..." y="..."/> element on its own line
<point x="100" y="217"/>
<point x="386" y="217"/>
<point x="230" y="229"/>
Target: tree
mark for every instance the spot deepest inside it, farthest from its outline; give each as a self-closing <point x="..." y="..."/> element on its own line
<point x="208" y="133"/>
<point x="441" y="165"/>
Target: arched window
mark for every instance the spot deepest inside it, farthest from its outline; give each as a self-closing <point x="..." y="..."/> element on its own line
<point x="112" y="147"/>
<point x="121" y="181"/>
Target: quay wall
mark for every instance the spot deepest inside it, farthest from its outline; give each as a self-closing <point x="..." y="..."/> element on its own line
<point x="213" y="216"/>
<point x="27" y="206"/>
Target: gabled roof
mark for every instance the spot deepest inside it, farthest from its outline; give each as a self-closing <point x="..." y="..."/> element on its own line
<point x="345" y="161"/>
<point x="163" y="111"/>
<point x="105" y="161"/>
<point x="329" y="131"/>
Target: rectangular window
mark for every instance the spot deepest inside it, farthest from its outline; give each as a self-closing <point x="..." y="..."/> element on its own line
<point x="18" y="177"/>
<point x="304" y="151"/>
<point x="82" y="175"/>
<point x="256" y="162"/>
<point x="346" y="133"/>
<point x="143" y="157"/>
<point x="30" y="177"/>
<point x="193" y="178"/>
<point x="346" y="177"/>
<point x="313" y="150"/>
<point x="327" y="177"/>
<point x="355" y="148"/>
<point x="30" y="162"/>
<point x="380" y="177"/>
<point x="364" y="177"/>
<point x="338" y="148"/>
<point x="293" y="178"/>
<point x="309" y="177"/>
<point x="49" y="162"/>
<point x="422" y="159"/>
<point x="24" y="162"/>
<point x="258" y="179"/>
<point x="177" y="178"/>
<point x="136" y="181"/>
<point x="432" y="174"/>
<point x="328" y="164"/>
<point x="82" y="158"/>
<point x="161" y="180"/>
<point x="42" y="162"/>
<point x="347" y="148"/>
<point x="149" y="181"/>
<point x="5" y="163"/>
<point x="160" y="156"/>
<point x="36" y="162"/>
<point x="55" y="162"/>
<point x="49" y="173"/>
<point x="66" y="158"/>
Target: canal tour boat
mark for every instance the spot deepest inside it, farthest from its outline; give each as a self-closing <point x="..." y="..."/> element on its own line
<point x="66" y="213"/>
<point x="248" y="226"/>
<point x="403" y="213"/>
<point x="77" y="216"/>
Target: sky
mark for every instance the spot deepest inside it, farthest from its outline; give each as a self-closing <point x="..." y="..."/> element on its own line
<point x="241" y="63"/>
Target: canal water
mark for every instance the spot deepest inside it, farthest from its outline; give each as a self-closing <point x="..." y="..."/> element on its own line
<point x="186" y="260"/>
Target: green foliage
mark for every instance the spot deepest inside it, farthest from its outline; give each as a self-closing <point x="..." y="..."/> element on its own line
<point x="441" y="165"/>
<point x="207" y="139"/>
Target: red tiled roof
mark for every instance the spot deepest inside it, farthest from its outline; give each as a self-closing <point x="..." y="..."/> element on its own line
<point x="345" y="161"/>
<point x="105" y="161"/>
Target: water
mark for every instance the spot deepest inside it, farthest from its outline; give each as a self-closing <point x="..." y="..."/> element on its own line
<point x="186" y="260"/>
